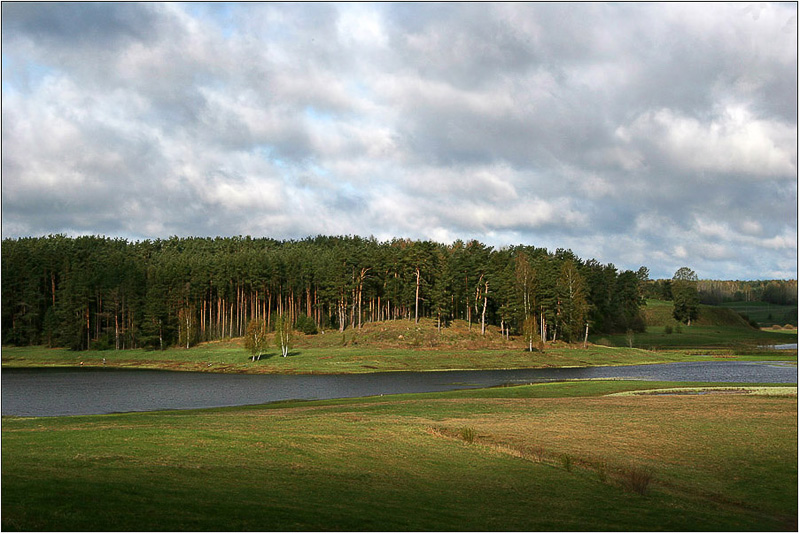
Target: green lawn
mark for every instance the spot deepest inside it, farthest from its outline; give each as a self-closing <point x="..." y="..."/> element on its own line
<point x="544" y="457"/>
<point x="230" y="357"/>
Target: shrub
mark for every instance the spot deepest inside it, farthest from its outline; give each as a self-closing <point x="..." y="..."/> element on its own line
<point x="467" y="434"/>
<point x="566" y="462"/>
<point x="668" y="329"/>
<point x="602" y="471"/>
<point x="678" y="329"/>
<point x="637" y="479"/>
<point x="103" y="343"/>
<point x="306" y="325"/>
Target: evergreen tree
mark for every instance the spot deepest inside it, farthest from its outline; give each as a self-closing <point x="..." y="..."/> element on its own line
<point x="685" y="298"/>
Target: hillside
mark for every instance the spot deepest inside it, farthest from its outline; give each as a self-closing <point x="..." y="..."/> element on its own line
<point x="406" y="334"/>
<point x="659" y="313"/>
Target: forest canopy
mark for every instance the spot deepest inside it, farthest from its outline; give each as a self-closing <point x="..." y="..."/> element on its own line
<point x="103" y="293"/>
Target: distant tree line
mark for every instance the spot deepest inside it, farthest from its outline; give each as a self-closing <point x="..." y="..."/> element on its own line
<point x="716" y="292"/>
<point x="103" y="293"/>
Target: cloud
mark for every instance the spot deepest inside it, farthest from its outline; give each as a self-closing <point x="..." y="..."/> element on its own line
<point x="734" y="142"/>
<point x="638" y="134"/>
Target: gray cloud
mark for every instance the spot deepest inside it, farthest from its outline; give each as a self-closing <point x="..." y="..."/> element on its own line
<point x="640" y="134"/>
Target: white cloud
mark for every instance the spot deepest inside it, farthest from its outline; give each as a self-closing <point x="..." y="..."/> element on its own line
<point x="734" y="141"/>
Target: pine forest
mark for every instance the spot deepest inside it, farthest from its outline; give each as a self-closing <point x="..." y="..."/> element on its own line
<point x="101" y="293"/>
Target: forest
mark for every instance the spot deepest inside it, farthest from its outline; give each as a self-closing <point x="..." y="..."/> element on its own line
<point x="96" y="292"/>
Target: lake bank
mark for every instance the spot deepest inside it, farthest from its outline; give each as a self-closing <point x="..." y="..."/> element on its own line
<point x="229" y="357"/>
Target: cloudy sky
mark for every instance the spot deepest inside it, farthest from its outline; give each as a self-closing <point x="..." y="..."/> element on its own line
<point x="638" y="134"/>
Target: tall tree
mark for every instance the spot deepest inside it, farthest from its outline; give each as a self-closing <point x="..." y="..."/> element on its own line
<point x="685" y="299"/>
<point x="571" y="290"/>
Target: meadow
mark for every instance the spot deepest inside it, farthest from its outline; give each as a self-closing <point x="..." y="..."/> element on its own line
<point x="564" y="456"/>
<point x="765" y="313"/>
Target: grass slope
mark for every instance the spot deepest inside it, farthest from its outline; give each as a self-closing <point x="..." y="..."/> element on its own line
<point x="764" y="313"/>
<point x="544" y="457"/>
<point x="659" y="313"/>
<point x="715" y="328"/>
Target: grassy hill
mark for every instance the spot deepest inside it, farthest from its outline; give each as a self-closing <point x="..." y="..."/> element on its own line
<point x="715" y="328"/>
<point x="658" y="313"/>
<point x="764" y="313"/>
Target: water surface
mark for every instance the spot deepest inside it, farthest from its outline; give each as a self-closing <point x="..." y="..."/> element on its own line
<point x="82" y="391"/>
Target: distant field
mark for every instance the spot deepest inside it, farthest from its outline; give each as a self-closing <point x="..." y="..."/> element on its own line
<point x="545" y="457"/>
<point x="764" y="313"/>
<point x="659" y="313"/>
<point x="697" y="337"/>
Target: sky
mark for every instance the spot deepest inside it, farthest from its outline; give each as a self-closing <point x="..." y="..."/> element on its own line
<point x="662" y="135"/>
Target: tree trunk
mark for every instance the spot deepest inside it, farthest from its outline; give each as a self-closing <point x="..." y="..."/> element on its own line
<point x="483" y="313"/>
<point x="416" y="300"/>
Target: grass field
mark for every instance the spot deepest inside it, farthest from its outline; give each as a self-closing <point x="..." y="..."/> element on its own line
<point x="546" y="457"/>
<point x="709" y="337"/>
<point x="406" y="346"/>
<point x="231" y="357"/>
<point x="764" y="313"/>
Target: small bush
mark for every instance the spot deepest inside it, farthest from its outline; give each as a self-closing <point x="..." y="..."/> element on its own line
<point x="566" y="462"/>
<point x="602" y="471"/>
<point x="678" y="329"/>
<point x="306" y="325"/>
<point x="467" y="434"/>
<point x="668" y="329"/>
<point x="637" y="479"/>
<point x="103" y="343"/>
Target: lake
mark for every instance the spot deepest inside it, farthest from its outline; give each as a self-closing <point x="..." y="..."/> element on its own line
<point x="79" y="391"/>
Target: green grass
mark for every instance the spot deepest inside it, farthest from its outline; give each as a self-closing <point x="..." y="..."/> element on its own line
<point x="714" y="462"/>
<point x="765" y="313"/>
<point x="406" y="346"/>
<point x="659" y="313"/>
<point x="697" y="336"/>
<point x="230" y="357"/>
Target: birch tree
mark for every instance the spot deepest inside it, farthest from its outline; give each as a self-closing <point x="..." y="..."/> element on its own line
<point x="255" y="339"/>
<point x="283" y="334"/>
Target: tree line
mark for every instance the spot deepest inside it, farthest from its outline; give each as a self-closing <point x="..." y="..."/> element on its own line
<point x="717" y="292"/>
<point x="105" y="293"/>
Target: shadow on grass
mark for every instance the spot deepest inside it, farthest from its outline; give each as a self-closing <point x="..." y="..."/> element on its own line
<point x="271" y="355"/>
